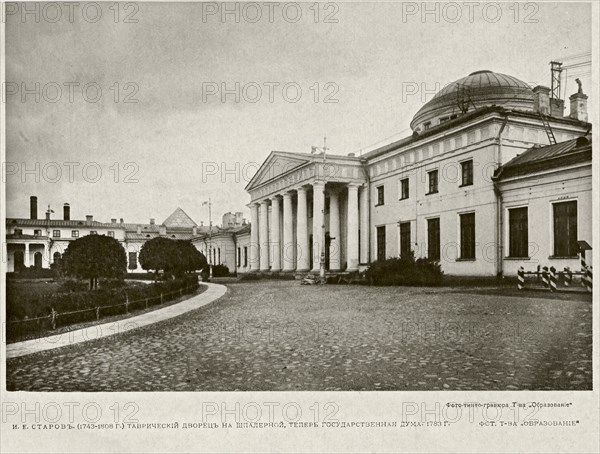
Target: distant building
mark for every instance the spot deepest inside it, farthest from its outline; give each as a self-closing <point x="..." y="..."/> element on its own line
<point x="228" y="245"/>
<point x="40" y="242"/>
<point x="494" y="177"/>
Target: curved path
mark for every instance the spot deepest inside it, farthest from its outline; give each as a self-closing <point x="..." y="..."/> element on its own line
<point x="213" y="292"/>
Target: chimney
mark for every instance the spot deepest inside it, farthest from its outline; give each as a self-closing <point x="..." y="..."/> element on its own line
<point x="67" y="212"/>
<point x="152" y="221"/>
<point x="139" y="229"/>
<point x="162" y="229"/>
<point x="121" y="220"/>
<point x="579" y="105"/>
<point x="47" y="215"/>
<point x="541" y="100"/>
<point x="89" y="219"/>
<point x="201" y="223"/>
<point x="557" y="107"/>
<point x="33" y="207"/>
<point x="113" y="221"/>
<point x="194" y="230"/>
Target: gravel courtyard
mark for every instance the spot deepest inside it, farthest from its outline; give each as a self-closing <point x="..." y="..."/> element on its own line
<point x="278" y="335"/>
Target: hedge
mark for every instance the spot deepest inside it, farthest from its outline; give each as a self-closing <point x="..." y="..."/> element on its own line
<point x="34" y="314"/>
<point x="405" y="271"/>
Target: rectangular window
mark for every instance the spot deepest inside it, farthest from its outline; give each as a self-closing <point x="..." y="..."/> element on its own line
<point x="56" y="233"/>
<point x="404" y="189"/>
<point x="93" y="232"/>
<point x="467" y="173"/>
<point x="433" y="239"/>
<point x="381" y="243"/>
<point x="18" y="231"/>
<point x="111" y="233"/>
<point x="239" y="256"/>
<point x="433" y="181"/>
<point x="380" y="196"/>
<point x="565" y="229"/>
<point x="405" y="248"/>
<point x="245" y="255"/>
<point x="467" y="236"/>
<point x="518" y="237"/>
<point x="37" y="232"/>
<point x="427" y="125"/>
<point x="132" y="260"/>
<point x="74" y="233"/>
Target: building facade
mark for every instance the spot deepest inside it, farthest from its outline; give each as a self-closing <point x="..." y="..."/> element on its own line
<point x="228" y="244"/>
<point x="441" y="193"/>
<point x="41" y="242"/>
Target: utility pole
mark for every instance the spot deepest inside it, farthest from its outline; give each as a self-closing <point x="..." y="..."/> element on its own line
<point x="322" y="257"/>
<point x="210" y="252"/>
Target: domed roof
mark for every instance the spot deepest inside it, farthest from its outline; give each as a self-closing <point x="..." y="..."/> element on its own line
<point x="478" y="89"/>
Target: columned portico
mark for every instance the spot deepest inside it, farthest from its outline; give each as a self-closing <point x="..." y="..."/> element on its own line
<point x="288" y="233"/>
<point x="275" y="245"/>
<point x="335" y="253"/>
<point x="26" y="257"/>
<point x="289" y="207"/>
<point x="254" y="243"/>
<point x="263" y="236"/>
<point x="303" y="246"/>
<point x="318" y="223"/>
<point x="352" y="241"/>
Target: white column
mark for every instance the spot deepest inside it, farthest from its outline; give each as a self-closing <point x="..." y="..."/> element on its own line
<point x="318" y="223"/>
<point x="254" y="245"/>
<point x="275" y="240"/>
<point x="26" y="256"/>
<point x="364" y="224"/>
<point x="288" y="233"/>
<point x="352" y="240"/>
<point x="303" y="252"/>
<point x="263" y="235"/>
<point x="334" y="232"/>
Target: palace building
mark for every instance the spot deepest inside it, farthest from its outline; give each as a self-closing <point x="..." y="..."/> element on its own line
<point x="495" y="176"/>
<point x="39" y="242"/>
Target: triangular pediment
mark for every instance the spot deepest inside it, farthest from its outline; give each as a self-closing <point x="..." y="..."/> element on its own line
<point x="179" y="218"/>
<point x="277" y="163"/>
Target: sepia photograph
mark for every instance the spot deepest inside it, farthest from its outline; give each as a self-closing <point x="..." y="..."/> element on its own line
<point x="300" y="216"/>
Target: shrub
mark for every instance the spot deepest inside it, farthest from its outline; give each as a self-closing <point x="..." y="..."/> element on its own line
<point x="32" y="273"/>
<point x="405" y="271"/>
<point x="261" y="276"/>
<point x="73" y="285"/>
<point x="220" y="271"/>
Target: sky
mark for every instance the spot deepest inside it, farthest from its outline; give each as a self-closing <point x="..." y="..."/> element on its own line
<point x="146" y="107"/>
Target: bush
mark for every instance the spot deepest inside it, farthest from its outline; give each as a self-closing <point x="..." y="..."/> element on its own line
<point x="73" y="285"/>
<point x="220" y="271"/>
<point x="262" y="276"/>
<point x="32" y="273"/>
<point x="141" y="276"/>
<point x="405" y="271"/>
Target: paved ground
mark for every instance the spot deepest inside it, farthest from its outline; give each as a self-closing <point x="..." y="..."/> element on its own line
<point x="283" y="336"/>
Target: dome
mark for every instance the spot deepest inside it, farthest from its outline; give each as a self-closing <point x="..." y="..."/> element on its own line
<point x="478" y="89"/>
